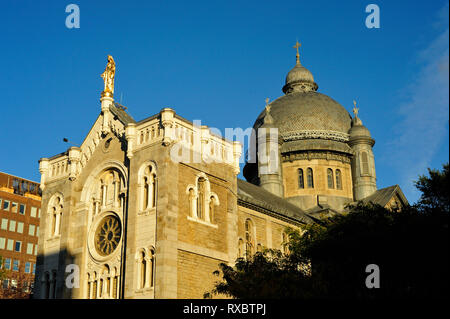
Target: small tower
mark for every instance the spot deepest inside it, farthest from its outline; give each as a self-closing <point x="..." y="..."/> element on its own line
<point x="269" y="155"/>
<point x="363" y="162"/>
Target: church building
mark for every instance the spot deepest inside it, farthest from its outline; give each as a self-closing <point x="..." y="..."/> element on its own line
<point x="150" y="208"/>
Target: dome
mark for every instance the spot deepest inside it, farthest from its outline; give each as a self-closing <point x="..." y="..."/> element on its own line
<point x="359" y="130"/>
<point x="299" y="73"/>
<point x="299" y="79"/>
<point x="308" y="113"/>
<point x="359" y="133"/>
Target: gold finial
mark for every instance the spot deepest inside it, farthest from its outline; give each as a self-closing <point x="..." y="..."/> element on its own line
<point x="355" y="109"/>
<point x="108" y="77"/>
<point x="296" y="46"/>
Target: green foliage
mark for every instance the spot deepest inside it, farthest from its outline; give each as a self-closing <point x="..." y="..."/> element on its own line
<point x="2" y="270"/>
<point x="329" y="260"/>
<point x="435" y="191"/>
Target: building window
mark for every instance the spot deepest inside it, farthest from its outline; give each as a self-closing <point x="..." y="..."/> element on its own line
<point x="30" y="247"/>
<point x="34" y="269"/>
<point x="240" y="248"/>
<point x="145" y="262"/>
<point x="212" y="205"/>
<point x="55" y="214"/>
<point x="330" y="178"/>
<point x="301" y="179"/>
<point x="201" y="185"/>
<point x="27" y="267"/>
<point x="310" y="178"/>
<point x="10" y="244"/>
<point x="14" y="207"/>
<point x="249" y="239"/>
<point x="20" y="227"/>
<point x="6" y="205"/>
<point x="4" y="224"/>
<point x="12" y="225"/>
<point x="22" y="209"/>
<point x="5" y="284"/>
<point x="46" y="284"/>
<point x="148" y="188"/>
<point x="33" y="211"/>
<point x="364" y="163"/>
<point x="2" y="242"/>
<point x="8" y="263"/>
<point x="18" y="246"/>
<point x="338" y="179"/>
<point x="15" y="265"/>
<point x="31" y="230"/>
<point x="202" y="201"/>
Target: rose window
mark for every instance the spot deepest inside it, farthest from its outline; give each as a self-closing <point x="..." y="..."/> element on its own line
<point x="108" y="235"/>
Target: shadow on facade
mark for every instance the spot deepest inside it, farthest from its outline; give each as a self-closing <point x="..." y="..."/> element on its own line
<point x="51" y="275"/>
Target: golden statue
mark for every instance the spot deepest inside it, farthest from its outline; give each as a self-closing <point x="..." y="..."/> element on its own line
<point x="108" y="77"/>
<point x="355" y="109"/>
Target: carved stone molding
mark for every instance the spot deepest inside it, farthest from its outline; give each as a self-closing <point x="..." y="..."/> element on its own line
<point x="316" y="134"/>
<point x="316" y="155"/>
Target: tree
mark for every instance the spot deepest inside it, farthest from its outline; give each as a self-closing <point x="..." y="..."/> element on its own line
<point x="435" y="190"/>
<point x="2" y="270"/>
<point x="329" y="260"/>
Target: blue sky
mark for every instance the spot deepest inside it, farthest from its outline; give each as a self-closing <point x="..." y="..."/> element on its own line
<point x="217" y="62"/>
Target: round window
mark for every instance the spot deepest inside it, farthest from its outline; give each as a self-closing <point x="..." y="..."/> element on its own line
<point x="107" y="235"/>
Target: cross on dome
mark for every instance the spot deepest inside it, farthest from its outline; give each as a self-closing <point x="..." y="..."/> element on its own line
<point x="296" y="46"/>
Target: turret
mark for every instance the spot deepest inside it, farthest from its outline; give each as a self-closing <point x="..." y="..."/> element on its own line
<point x="269" y="156"/>
<point x="363" y="162"/>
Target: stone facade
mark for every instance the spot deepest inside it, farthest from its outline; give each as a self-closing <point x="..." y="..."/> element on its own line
<point x="149" y="209"/>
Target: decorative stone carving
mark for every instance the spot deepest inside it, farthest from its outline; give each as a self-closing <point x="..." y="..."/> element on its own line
<point x="316" y="155"/>
<point x="316" y="134"/>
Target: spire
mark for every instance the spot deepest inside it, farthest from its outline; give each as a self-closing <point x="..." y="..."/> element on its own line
<point x="299" y="79"/>
<point x="296" y="46"/>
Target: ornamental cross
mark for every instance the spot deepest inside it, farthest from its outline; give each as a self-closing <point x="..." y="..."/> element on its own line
<point x="296" y="46"/>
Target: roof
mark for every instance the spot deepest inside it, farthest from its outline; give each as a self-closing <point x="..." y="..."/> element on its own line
<point x="119" y="111"/>
<point x="306" y="111"/>
<point x="258" y="198"/>
<point x="383" y="196"/>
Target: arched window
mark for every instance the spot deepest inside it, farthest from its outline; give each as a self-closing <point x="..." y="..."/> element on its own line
<point x="145" y="264"/>
<point x="192" y="202"/>
<point x="201" y="197"/>
<point x="143" y="270"/>
<point x="310" y="178"/>
<point x="202" y="201"/>
<point x="89" y="286"/>
<point x="46" y="284"/>
<point x="338" y="179"/>
<point x="301" y="179"/>
<point x="53" y="285"/>
<point x="330" y="178"/>
<point x="55" y="211"/>
<point x="148" y="188"/>
<point x="249" y="239"/>
<point x="212" y="204"/>
<point x="364" y="163"/>
<point x="240" y="248"/>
